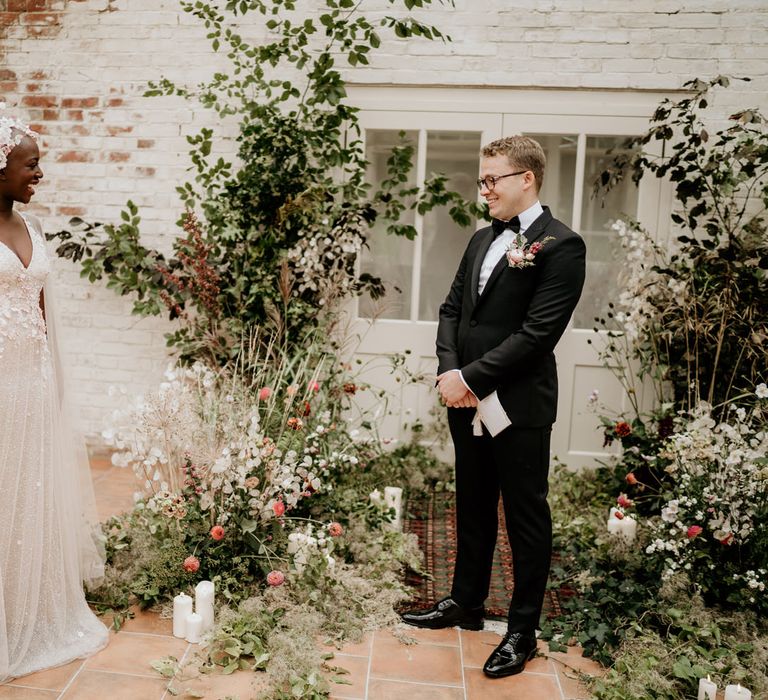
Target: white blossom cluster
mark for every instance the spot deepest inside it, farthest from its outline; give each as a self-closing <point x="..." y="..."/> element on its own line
<point x="322" y="261"/>
<point x="642" y="287"/>
<point x="238" y="472"/>
<point x="305" y="544"/>
<point x="721" y="483"/>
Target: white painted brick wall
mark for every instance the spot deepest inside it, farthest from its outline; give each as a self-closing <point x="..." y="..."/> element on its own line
<point x="105" y="51"/>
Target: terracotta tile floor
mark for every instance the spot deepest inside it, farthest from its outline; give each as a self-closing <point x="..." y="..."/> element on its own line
<point x="441" y="665"/>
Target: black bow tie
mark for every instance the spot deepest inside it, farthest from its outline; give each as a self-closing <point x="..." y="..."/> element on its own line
<point x="500" y="226"/>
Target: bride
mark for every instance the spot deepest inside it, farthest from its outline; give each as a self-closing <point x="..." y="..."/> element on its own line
<point x="47" y="547"/>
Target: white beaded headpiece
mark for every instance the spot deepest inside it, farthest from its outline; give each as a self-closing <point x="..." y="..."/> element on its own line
<point x="12" y="131"/>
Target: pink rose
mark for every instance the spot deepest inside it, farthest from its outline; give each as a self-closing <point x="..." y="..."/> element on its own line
<point x="515" y="257"/>
<point x="694" y="531"/>
<point x="191" y="564"/>
<point x="535" y="247"/>
<point x="279" y="508"/>
<point x="623" y="501"/>
<point x="217" y="533"/>
<point x="335" y="529"/>
<point x="275" y="578"/>
<point x="264" y="393"/>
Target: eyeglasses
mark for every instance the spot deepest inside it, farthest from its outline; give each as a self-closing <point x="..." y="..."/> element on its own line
<point x="490" y="181"/>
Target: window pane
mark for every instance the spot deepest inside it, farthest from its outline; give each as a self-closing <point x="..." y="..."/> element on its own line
<point x="597" y="215"/>
<point x="559" y="175"/>
<point x="388" y="257"/>
<point x="455" y="154"/>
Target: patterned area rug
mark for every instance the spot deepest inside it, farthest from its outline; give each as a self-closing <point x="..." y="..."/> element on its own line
<point x="433" y="520"/>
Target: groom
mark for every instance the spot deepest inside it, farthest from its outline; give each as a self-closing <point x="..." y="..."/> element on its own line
<point x="511" y="300"/>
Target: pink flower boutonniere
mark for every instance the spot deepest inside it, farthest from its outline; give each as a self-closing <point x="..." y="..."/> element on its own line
<point x="522" y="254"/>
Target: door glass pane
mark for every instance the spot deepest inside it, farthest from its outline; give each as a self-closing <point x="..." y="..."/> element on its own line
<point x="455" y="154"/>
<point x="597" y="215"/>
<point x="559" y="175"/>
<point x="388" y="257"/>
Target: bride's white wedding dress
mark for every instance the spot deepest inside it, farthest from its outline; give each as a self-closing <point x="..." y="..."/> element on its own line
<point x="46" y="548"/>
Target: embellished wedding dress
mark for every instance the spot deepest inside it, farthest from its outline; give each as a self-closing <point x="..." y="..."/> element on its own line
<point x="47" y="548"/>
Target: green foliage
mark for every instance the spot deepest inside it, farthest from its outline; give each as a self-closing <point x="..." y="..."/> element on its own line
<point x="607" y="585"/>
<point x="708" y="344"/>
<point x="284" y="223"/>
<point x="658" y="639"/>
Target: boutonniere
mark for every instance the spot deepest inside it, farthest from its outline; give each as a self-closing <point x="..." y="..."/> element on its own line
<point x="522" y="254"/>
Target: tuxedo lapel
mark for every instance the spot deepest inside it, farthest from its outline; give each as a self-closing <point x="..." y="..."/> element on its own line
<point x="534" y="231"/>
<point x="478" y="263"/>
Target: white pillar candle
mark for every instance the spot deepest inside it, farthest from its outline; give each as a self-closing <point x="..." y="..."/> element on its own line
<point x="736" y="692"/>
<point x="182" y="606"/>
<point x="393" y="498"/>
<point x="625" y="527"/>
<point x="194" y="625"/>
<point x="707" y="689"/>
<point x="204" y="598"/>
<point x="628" y="528"/>
<point x="614" y="526"/>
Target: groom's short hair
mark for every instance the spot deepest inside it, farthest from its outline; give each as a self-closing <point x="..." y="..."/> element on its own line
<point x="522" y="152"/>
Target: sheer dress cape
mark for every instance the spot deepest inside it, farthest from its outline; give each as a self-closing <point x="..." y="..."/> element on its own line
<point x="49" y="544"/>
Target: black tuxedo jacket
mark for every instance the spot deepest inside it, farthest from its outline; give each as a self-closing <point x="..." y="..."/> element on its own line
<point x="503" y="339"/>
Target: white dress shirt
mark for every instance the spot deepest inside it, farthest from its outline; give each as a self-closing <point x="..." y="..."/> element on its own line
<point x="499" y="246"/>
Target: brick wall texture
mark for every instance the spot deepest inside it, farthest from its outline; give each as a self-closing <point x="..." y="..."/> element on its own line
<point x="76" y="69"/>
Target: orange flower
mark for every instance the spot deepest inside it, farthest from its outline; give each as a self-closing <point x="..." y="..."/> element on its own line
<point x="279" y="508"/>
<point x="622" y="429"/>
<point x="632" y="479"/>
<point x="217" y="533"/>
<point x="335" y="529"/>
<point x="191" y="564"/>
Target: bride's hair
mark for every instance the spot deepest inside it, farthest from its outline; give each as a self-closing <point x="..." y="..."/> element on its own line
<point x="12" y="131"/>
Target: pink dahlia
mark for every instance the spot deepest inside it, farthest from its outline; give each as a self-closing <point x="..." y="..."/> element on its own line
<point x="217" y="533"/>
<point x="335" y="529"/>
<point x="275" y="578"/>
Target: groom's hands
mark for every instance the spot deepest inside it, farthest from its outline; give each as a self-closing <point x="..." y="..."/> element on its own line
<point x="453" y="391"/>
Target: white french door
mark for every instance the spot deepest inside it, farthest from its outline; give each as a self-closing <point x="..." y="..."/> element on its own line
<point x="420" y="271"/>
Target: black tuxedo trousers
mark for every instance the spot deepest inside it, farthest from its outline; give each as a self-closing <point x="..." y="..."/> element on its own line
<point x="514" y="464"/>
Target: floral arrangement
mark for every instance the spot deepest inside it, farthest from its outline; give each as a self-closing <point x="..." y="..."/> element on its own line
<point x="710" y="525"/>
<point x="242" y="467"/>
<point x="522" y="254"/>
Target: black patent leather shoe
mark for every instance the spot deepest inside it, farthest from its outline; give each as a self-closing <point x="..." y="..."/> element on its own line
<point x="446" y="613"/>
<point x="511" y="655"/>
